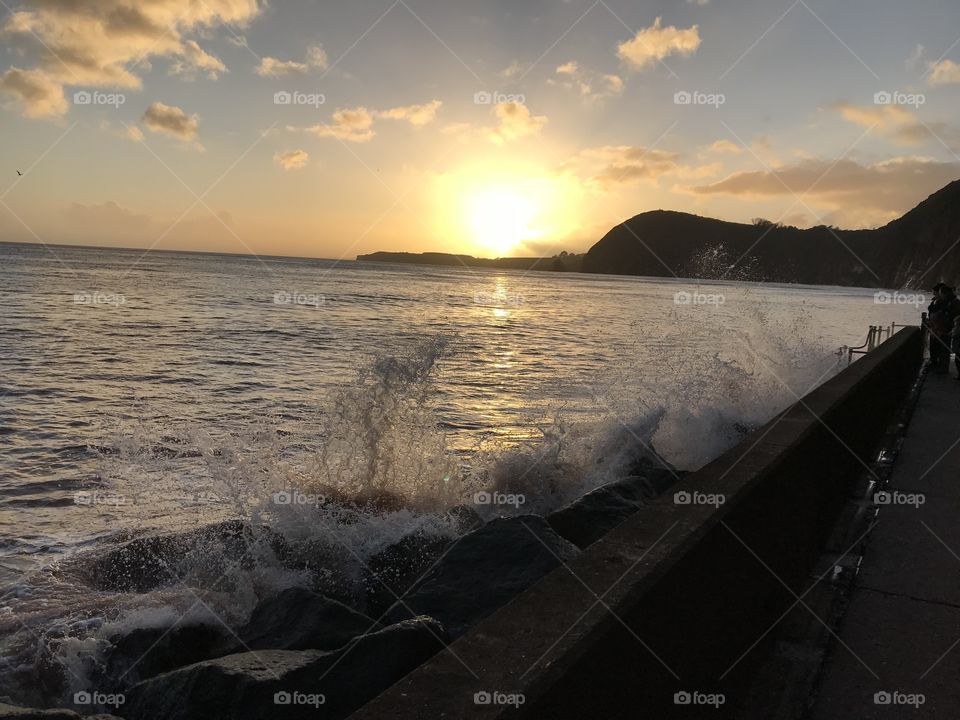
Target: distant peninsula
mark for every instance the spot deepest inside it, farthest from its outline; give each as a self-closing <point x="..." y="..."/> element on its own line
<point x="916" y="250"/>
<point x="564" y="262"/>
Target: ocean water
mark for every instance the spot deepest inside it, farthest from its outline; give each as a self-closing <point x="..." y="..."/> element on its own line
<point x="165" y="391"/>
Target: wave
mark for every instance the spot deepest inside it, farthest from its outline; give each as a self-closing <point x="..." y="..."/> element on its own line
<point x="372" y="466"/>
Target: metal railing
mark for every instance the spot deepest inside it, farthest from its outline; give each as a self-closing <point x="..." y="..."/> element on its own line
<point x="875" y="335"/>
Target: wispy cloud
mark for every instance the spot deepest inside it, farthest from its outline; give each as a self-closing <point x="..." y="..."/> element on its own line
<point x="272" y="67"/>
<point x="171" y="120"/>
<point x="653" y="44"/>
<point x="292" y="159"/>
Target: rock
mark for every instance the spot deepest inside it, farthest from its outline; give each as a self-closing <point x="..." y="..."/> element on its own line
<point x="483" y="570"/>
<point x="146" y="563"/>
<point x="13" y="712"/>
<point x="288" y="683"/>
<point x="400" y="565"/>
<point x="145" y="652"/>
<point x="590" y="517"/>
<point x="300" y="619"/>
<point x="335" y="573"/>
<point x="464" y="517"/>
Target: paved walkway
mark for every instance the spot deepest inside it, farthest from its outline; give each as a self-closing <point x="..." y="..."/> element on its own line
<point x="901" y="635"/>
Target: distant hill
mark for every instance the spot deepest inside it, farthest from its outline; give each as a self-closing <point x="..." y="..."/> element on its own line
<point x="560" y="263"/>
<point x="916" y="250"/>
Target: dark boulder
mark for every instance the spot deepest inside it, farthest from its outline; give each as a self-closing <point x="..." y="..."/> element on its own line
<point x="299" y="619"/>
<point x="145" y="652"/>
<point x="153" y="561"/>
<point x="288" y="683"/>
<point x="587" y="519"/>
<point x="483" y="570"/>
<point x="398" y="566"/>
<point x="14" y="712"/>
<point x="334" y="572"/>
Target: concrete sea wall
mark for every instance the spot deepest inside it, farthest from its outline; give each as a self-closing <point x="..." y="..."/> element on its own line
<point x="680" y="598"/>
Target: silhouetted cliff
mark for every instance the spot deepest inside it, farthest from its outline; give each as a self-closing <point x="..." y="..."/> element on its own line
<point x="916" y="250"/>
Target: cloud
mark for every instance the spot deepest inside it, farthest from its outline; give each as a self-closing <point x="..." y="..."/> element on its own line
<point x="357" y="124"/>
<point x="653" y="44"/>
<point x="171" y="121"/>
<point x="901" y="126"/>
<point x="317" y="57"/>
<point x="515" y="122"/>
<point x="590" y="86"/>
<point x="945" y="72"/>
<point x="272" y="67"/>
<point x="512" y="70"/>
<point x="863" y="195"/>
<point x="913" y="60"/>
<point x="108" y="43"/>
<point x="196" y="60"/>
<point x="725" y="146"/>
<point x="416" y="115"/>
<point x="108" y="221"/>
<point x="292" y="159"/>
<point x="605" y="167"/>
<point x="38" y="94"/>
<point x="349" y="124"/>
<point x="701" y="3"/>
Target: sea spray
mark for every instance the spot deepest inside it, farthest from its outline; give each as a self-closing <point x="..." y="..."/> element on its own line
<point x="375" y="468"/>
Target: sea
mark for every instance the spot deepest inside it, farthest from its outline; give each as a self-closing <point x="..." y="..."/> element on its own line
<point x="153" y="392"/>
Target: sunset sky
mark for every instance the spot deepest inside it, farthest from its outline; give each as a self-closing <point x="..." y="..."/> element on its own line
<point x="491" y="128"/>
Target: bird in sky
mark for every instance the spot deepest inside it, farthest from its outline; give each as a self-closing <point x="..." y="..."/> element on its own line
<point x="19" y="173"/>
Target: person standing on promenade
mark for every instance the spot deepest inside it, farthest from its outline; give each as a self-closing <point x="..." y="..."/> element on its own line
<point x="955" y="344"/>
<point x="942" y="312"/>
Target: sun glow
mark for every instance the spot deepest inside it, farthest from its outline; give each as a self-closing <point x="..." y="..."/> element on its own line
<point x="505" y="212"/>
<point x="500" y="219"/>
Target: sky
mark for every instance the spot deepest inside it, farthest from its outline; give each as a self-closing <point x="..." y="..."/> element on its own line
<point x="494" y="128"/>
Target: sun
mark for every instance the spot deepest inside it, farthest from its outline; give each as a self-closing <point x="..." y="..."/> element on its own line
<point x="501" y="210"/>
<point x="501" y="218"/>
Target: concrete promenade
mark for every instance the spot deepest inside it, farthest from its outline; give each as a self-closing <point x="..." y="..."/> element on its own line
<point x="900" y="637"/>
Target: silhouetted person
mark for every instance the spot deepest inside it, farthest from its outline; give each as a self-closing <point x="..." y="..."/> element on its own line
<point x="942" y="312"/>
<point x="955" y="344"/>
